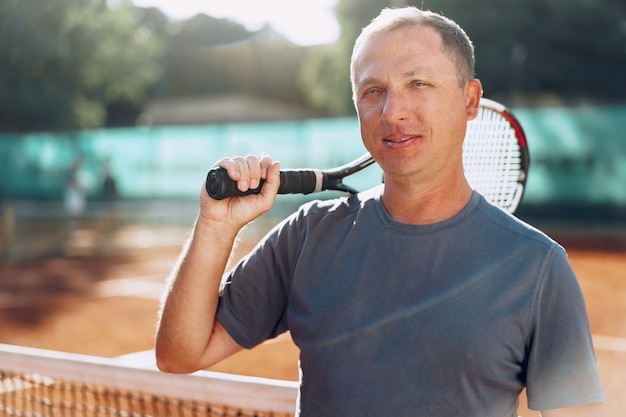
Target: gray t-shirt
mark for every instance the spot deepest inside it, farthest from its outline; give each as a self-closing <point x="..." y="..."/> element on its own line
<point x="447" y="319"/>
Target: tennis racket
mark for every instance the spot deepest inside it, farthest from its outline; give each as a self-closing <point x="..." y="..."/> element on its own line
<point x="495" y="158"/>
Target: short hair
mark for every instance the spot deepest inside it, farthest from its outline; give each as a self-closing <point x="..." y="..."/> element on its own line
<point x="456" y="43"/>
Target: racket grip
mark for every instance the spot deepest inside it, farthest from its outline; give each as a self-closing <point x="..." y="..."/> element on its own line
<point x="219" y="185"/>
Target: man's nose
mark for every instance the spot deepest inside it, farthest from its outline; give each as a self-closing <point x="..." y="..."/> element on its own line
<point x="395" y="107"/>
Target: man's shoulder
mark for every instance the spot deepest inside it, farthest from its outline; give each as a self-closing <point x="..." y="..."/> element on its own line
<point x="511" y="225"/>
<point x="340" y="205"/>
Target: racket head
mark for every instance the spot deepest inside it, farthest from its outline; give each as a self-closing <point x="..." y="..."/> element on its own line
<point x="495" y="155"/>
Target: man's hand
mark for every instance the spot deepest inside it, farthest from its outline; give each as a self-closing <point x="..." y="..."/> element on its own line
<point x="247" y="172"/>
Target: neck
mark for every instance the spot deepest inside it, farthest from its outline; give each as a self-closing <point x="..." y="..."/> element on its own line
<point x="412" y="204"/>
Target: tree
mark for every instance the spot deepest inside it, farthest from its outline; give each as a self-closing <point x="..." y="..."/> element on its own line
<point x="65" y="61"/>
<point x="325" y="76"/>
<point x="572" y="49"/>
<point x="209" y="56"/>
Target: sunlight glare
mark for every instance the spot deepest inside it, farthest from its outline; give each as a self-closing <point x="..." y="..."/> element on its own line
<point x="303" y="22"/>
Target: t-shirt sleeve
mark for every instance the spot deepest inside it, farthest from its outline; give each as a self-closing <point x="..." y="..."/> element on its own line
<point x="253" y="299"/>
<point x="562" y="369"/>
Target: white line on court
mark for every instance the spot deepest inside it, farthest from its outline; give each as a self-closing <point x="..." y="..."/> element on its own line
<point x="139" y="287"/>
<point x="610" y="343"/>
<point x="144" y="286"/>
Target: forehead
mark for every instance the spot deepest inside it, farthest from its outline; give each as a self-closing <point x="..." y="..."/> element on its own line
<point x="403" y="50"/>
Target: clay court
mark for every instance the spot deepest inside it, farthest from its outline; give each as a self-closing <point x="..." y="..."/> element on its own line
<point x="98" y="295"/>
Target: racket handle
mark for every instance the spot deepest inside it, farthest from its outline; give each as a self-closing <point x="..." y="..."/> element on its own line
<point x="220" y="186"/>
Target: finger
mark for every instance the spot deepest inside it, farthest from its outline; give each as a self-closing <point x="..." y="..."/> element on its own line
<point x="230" y="166"/>
<point x="265" y="161"/>
<point x="241" y="164"/>
<point x="254" y="171"/>
<point x="237" y="169"/>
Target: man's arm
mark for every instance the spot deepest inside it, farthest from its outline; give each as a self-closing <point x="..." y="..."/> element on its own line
<point x="589" y="410"/>
<point x="188" y="336"/>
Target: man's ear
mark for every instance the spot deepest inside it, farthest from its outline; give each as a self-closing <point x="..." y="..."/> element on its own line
<point x="473" y="93"/>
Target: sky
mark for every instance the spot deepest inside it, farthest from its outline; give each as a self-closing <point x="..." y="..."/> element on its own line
<point x="304" y="22"/>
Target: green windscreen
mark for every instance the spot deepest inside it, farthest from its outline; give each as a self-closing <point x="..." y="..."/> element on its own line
<point x="578" y="155"/>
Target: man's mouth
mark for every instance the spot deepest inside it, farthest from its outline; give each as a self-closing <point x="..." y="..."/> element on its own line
<point x="398" y="141"/>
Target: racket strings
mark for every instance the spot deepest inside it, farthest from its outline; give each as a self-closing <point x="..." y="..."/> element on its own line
<point x="492" y="159"/>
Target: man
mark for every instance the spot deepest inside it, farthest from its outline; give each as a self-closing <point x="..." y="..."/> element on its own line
<point x="416" y="298"/>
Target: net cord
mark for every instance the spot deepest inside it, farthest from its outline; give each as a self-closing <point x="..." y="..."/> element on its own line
<point x="234" y="390"/>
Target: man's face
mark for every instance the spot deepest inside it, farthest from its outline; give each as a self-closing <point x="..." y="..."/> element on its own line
<point x="412" y="111"/>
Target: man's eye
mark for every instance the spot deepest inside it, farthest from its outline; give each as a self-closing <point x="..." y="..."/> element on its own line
<point x="419" y="84"/>
<point x="371" y="91"/>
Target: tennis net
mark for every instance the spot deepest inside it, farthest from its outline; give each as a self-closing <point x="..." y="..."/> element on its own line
<point x="42" y="383"/>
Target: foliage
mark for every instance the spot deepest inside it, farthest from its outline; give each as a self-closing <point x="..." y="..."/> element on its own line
<point x="567" y="48"/>
<point x="217" y="56"/>
<point x="65" y="61"/>
<point x="325" y="77"/>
